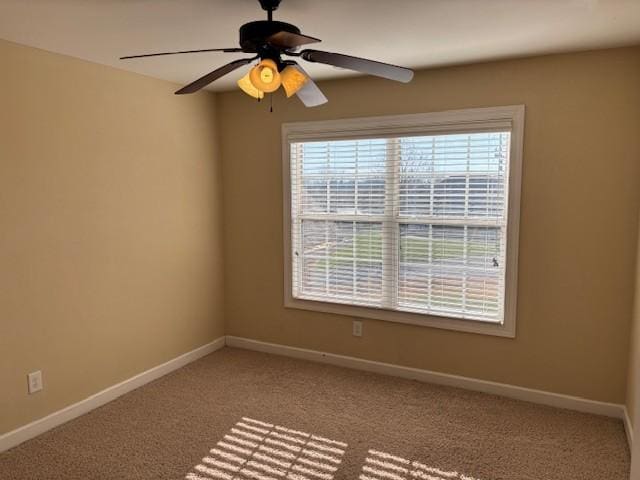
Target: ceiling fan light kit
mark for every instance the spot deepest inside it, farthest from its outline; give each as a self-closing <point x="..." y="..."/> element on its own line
<point x="270" y="40"/>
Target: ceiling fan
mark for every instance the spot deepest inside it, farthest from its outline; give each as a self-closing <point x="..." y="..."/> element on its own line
<point x="270" y="40"/>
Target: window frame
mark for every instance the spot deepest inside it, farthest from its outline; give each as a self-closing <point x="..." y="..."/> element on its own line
<point x="510" y="118"/>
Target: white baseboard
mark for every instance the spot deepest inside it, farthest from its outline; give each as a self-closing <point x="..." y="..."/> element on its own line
<point x="503" y="389"/>
<point x="33" y="429"/>
<point x="628" y="427"/>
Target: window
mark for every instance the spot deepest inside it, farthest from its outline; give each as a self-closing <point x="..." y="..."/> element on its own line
<point x="411" y="219"/>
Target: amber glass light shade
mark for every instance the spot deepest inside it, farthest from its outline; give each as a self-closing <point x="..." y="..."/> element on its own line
<point x="292" y="80"/>
<point x="265" y="76"/>
<point x="247" y="87"/>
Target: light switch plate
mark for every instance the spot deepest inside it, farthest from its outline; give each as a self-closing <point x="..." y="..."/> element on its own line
<point x="35" y="382"/>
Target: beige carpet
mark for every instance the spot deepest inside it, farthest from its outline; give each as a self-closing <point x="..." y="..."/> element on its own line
<point x="244" y="415"/>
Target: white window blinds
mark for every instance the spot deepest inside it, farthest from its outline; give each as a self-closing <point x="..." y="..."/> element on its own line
<point x="412" y="223"/>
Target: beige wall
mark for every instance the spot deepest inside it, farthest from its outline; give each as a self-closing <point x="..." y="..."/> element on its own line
<point x="111" y="224"/>
<point x="110" y="237"/>
<point x="580" y="198"/>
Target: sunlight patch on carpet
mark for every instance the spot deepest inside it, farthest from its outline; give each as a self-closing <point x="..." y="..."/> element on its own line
<point x="385" y="466"/>
<point x="256" y="450"/>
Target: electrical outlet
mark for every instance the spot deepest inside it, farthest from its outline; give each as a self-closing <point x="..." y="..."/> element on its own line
<point x="35" y="382"/>
<point x="357" y="328"/>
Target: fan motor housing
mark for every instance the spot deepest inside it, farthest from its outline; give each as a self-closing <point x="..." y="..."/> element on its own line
<point x="253" y="35"/>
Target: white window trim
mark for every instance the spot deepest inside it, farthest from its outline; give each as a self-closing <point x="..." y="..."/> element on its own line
<point x="452" y="121"/>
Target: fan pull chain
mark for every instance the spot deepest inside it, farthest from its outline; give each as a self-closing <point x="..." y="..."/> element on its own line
<point x="270" y="103"/>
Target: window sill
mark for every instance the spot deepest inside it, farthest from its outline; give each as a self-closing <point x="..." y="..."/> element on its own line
<point x="506" y="329"/>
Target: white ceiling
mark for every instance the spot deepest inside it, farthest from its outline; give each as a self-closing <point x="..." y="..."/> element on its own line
<point x="413" y="33"/>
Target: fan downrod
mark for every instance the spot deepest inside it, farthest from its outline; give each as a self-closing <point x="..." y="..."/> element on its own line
<point x="270" y="6"/>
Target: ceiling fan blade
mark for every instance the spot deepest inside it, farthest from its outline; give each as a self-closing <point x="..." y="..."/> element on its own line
<point x="371" y="67"/>
<point x="310" y="94"/>
<point x="181" y="52"/>
<point x="285" y="39"/>
<point x="212" y="76"/>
